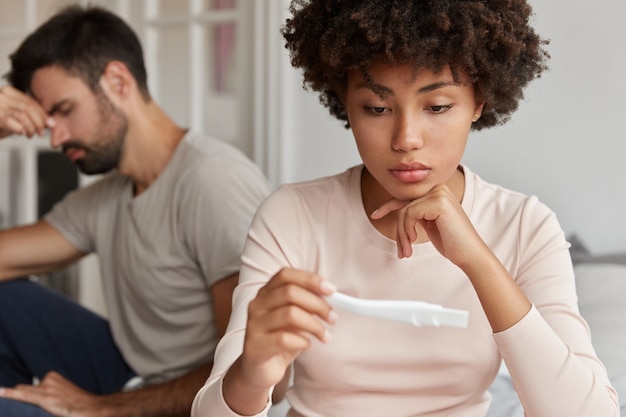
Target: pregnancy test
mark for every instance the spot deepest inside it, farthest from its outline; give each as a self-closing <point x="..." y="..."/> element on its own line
<point x="417" y="313"/>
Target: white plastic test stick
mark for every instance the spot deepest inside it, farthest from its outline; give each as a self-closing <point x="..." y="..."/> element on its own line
<point x="417" y="313"/>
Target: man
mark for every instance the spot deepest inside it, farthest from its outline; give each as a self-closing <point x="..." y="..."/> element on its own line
<point x="168" y="222"/>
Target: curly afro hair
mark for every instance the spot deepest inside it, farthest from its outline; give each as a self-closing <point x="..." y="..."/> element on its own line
<point x="489" y="41"/>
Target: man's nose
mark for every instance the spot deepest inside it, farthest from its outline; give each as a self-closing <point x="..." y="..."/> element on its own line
<point x="58" y="135"/>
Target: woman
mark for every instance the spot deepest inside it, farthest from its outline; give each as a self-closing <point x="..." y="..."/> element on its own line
<point x="411" y="79"/>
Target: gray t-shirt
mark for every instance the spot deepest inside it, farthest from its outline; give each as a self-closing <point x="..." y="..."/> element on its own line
<point x="161" y="251"/>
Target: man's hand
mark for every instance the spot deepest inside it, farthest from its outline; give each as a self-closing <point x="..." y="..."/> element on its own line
<point x="62" y="398"/>
<point x="21" y="114"/>
<point x="56" y="395"/>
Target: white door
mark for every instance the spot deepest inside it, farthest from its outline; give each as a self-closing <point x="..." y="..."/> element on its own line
<point x="198" y="65"/>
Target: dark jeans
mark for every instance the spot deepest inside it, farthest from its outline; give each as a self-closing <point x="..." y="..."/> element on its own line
<point x="41" y="331"/>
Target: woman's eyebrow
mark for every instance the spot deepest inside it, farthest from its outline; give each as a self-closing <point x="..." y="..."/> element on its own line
<point x="436" y="86"/>
<point x="382" y="91"/>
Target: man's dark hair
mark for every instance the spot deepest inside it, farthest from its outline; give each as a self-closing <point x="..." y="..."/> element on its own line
<point x="490" y="41"/>
<point x="81" y="40"/>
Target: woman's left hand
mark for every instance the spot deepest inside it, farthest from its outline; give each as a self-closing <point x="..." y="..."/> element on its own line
<point x="440" y="215"/>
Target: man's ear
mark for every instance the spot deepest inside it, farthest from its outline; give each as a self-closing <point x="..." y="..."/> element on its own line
<point x="117" y="81"/>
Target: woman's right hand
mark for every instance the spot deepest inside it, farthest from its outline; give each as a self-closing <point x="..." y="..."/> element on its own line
<point x="21" y="114"/>
<point x="286" y="313"/>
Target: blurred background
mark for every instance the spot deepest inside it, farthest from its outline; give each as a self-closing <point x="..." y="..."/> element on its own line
<point x="219" y="66"/>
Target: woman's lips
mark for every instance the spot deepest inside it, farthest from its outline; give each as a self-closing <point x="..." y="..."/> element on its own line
<point x="410" y="173"/>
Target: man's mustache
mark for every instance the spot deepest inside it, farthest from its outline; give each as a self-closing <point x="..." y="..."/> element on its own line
<point x="73" y="145"/>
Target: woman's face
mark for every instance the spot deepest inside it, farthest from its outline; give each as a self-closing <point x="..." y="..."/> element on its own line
<point x="410" y="127"/>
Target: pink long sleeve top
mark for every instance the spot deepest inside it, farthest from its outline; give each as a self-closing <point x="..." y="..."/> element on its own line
<point x="374" y="367"/>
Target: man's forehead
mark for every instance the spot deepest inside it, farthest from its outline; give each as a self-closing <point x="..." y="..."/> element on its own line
<point x="53" y="83"/>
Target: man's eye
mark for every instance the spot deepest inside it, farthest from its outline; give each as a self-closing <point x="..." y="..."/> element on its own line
<point x="62" y="111"/>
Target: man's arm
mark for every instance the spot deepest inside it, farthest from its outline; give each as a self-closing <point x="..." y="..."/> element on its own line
<point x="174" y="398"/>
<point x="62" y="398"/>
<point x="222" y="295"/>
<point x="34" y="249"/>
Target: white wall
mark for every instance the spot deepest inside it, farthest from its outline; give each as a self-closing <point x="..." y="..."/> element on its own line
<point x="565" y="144"/>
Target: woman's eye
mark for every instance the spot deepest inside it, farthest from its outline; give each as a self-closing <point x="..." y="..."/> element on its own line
<point x="376" y="110"/>
<point x="440" y="109"/>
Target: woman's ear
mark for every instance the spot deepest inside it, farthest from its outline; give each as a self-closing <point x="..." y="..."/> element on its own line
<point x="478" y="111"/>
<point x="479" y="99"/>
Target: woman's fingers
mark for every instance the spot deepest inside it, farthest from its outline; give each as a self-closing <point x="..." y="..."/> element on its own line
<point x="293" y="301"/>
<point x="291" y="308"/>
<point x="287" y="313"/>
<point x="388" y="207"/>
<point x="437" y="213"/>
<point x="304" y="279"/>
<point x="406" y="234"/>
<point x="296" y="319"/>
<point x="305" y="292"/>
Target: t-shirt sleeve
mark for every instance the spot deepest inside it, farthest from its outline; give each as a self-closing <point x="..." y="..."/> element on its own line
<point x="217" y="205"/>
<point x="73" y="217"/>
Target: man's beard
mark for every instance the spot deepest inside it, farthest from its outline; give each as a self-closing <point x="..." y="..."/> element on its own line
<point x="105" y="152"/>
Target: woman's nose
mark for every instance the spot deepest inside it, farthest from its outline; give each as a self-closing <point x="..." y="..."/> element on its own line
<point x="407" y="135"/>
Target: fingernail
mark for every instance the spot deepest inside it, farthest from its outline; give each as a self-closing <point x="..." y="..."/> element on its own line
<point x="327" y="336"/>
<point x="333" y="317"/>
<point x="374" y="213"/>
<point x="327" y="287"/>
<point x="50" y="122"/>
<point x="2" y="391"/>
